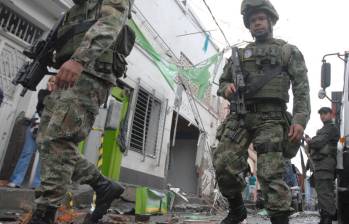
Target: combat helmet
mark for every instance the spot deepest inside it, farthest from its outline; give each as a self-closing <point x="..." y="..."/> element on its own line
<point x="250" y="6"/>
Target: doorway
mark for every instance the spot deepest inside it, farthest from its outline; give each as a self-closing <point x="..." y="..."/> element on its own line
<point x="182" y="171"/>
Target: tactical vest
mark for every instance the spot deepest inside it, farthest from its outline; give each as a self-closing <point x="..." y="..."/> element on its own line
<point x="330" y="149"/>
<point x="84" y="14"/>
<point x="109" y="66"/>
<point x="260" y="61"/>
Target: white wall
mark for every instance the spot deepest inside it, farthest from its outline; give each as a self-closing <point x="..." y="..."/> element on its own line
<point x="43" y="16"/>
<point x="142" y="67"/>
<point x="169" y="21"/>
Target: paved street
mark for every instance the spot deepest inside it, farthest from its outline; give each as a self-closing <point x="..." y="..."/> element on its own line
<point x="298" y="218"/>
<point x="195" y="218"/>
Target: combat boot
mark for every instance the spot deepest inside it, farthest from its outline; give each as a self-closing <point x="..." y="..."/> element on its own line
<point x="43" y="215"/>
<point x="326" y="218"/>
<point x="279" y="219"/>
<point x="106" y="192"/>
<point x="237" y="211"/>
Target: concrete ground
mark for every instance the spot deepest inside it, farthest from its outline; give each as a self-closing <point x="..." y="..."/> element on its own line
<point x="77" y="217"/>
<point x="16" y="204"/>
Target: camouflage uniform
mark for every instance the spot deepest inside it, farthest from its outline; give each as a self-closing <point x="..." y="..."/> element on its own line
<point x="264" y="125"/>
<point x="323" y="149"/>
<point x="69" y="114"/>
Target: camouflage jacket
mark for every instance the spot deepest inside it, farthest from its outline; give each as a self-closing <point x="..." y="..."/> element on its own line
<point x="294" y="64"/>
<point x="325" y="141"/>
<point x="101" y="35"/>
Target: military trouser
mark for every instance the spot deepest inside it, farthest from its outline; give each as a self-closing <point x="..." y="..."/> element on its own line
<point x="266" y="131"/>
<point x="67" y="119"/>
<point x="324" y="183"/>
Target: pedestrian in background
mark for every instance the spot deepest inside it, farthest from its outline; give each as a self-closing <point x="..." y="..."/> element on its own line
<point x="30" y="147"/>
<point x="247" y="195"/>
<point x="252" y="182"/>
<point x="323" y="151"/>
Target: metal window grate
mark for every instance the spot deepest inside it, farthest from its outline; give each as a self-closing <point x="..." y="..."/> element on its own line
<point x="12" y="22"/>
<point x="144" y="131"/>
<point x="11" y="60"/>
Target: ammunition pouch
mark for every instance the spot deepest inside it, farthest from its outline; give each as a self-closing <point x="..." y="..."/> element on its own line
<point x="122" y="48"/>
<point x="269" y="147"/>
<point x="119" y="66"/>
<point x="220" y="129"/>
<point x="234" y="131"/>
<point x="290" y="149"/>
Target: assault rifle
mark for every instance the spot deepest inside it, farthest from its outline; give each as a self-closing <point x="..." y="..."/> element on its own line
<point x="31" y="73"/>
<point x="237" y="102"/>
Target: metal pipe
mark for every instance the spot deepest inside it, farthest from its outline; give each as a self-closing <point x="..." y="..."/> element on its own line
<point x="145" y="128"/>
<point x="162" y="132"/>
<point x="175" y="130"/>
<point x="132" y="115"/>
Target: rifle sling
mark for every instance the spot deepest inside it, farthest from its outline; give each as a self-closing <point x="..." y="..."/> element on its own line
<point x="76" y="29"/>
<point x="271" y="73"/>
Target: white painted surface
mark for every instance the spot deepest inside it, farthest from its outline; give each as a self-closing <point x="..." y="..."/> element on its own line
<point x="169" y="20"/>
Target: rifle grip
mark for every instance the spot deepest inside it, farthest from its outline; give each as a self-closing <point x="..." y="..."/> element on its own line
<point x="24" y="91"/>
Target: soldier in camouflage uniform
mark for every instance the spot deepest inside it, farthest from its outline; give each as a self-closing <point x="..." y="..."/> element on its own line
<point x="84" y="78"/>
<point x="265" y="124"/>
<point x="323" y="149"/>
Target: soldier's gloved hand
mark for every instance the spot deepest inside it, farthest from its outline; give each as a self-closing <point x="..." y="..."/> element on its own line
<point x="68" y="73"/>
<point x="229" y="90"/>
<point x="295" y="133"/>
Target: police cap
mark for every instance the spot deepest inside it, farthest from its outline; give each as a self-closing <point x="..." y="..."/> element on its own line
<point x="325" y="110"/>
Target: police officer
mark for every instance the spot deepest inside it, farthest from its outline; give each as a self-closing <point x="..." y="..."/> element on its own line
<point x="323" y="149"/>
<point x="265" y="124"/>
<point x="84" y="59"/>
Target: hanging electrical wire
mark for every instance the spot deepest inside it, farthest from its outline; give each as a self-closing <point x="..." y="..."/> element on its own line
<point x="214" y="19"/>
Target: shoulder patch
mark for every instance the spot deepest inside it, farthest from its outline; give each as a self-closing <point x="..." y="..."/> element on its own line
<point x="248" y="53"/>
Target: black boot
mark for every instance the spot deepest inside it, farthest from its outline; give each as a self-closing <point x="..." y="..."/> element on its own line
<point x="106" y="192"/>
<point x="279" y="219"/>
<point x="326" y="218"/>
<point x="237" y="211"/>
<point x="43" y="215"/>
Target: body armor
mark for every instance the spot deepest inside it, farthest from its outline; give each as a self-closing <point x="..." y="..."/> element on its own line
<point x="329" y="149"/>
<point x="261" y="62"/>
<point x="84" y="14"/>
<point x="76" y="23"/>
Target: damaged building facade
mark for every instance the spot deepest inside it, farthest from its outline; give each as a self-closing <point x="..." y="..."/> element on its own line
<point x="165" y="111"/>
